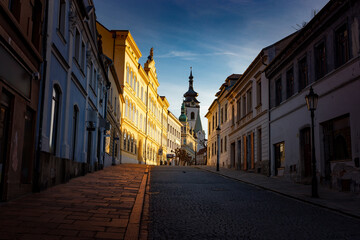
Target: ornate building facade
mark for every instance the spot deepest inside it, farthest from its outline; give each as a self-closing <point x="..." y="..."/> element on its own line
<point x="144" y="118"/>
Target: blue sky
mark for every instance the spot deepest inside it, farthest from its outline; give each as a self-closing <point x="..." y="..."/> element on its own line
<point x="215" y="37"/>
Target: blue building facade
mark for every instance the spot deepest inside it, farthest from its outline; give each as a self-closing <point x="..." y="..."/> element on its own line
<point x="72" y="120"/>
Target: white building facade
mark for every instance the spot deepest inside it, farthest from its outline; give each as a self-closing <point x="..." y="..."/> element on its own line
<point x="325" y="56"/>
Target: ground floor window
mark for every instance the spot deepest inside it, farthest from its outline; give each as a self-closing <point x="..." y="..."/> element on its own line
<point x="336" y="141"/>
<point x="279" y="156"/>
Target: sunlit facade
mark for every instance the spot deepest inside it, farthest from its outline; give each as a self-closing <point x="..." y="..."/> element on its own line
<point x="144" y="118"/>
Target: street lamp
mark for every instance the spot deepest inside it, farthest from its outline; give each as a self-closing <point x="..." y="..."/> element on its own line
<point x="195" y="146"/>
<point x="311" y="102"/>
<point x="218" y="149"/>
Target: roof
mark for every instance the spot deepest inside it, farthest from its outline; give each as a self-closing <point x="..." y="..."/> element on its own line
<point x="198" y="126"/>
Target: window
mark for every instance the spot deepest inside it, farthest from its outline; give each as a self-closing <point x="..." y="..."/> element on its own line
<point x="77" y="45"/>
<point x="83" y="54"/>
<point x="91" y="74"/>
<point x="258" y="94"/>
<point x="125" y="141"/>
<point x="238" y="109"/>
<point x="127" y="74"/>
<point x="209" y="127"/>
<point x="131" y="79"/>
<point x="222" y="116"/>
<point x="142" y="93"/>
<point x="36" y="21"/>
<point x="74" y="130"/>
<point x="243" y="112"/>
<point x="278" y="89"/>
<point x="132" y="144"/>
<point x="320" y="60"/>
<point x="54" y="119"/>
<point x="213" y="122"/>
<point x="115" y="105"/>
<point x="221" y="145"/>
<point x="290" y="83"/>
<point x="62" y="11"/>
<point x="192" y="115"/>
<point x="216" y="119"/>
<point x="226" y="112"/>
<point x="128" y="143"/>
<point x="249" y="101"/>
<point x="303" y="76"/>
<point x="342" y="45"/>
<point x="95" y="80"/>
<point x="137" y="89"/>
<point x="225" y="143"/>
<point x="233" y="114"/>
<point x="279" y="155"/>
<point x="140" y="121"/>
<point x="14" y="7"/>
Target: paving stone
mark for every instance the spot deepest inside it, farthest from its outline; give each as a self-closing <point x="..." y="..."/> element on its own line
<point x="94" y="206"/>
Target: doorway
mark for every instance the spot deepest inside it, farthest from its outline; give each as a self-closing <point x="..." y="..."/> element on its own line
<point x="5" y="103"/>
<point x="305" y="143"/>
<point x="232" y="155"/>
<point x="279" y="158"/>
<point x="239" y="155"/>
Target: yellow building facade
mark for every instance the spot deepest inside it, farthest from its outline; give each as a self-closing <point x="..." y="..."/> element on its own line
<point x="143" y="119"/>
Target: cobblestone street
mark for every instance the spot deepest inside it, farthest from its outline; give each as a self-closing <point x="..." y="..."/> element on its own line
<point x="102" y="205"/>
<point x="188" y="203"/>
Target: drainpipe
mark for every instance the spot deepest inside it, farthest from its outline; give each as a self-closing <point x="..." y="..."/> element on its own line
<point x="40" y="113"/>
<point x="105" y="108"/>
<point x="268" y="114"/>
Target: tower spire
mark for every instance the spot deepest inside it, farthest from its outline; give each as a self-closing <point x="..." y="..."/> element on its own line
<point x="190" y="95"/>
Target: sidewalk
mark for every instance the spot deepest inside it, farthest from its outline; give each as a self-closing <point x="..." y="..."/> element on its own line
<point x="106" y="204"/>
<point x="347" y="203"/>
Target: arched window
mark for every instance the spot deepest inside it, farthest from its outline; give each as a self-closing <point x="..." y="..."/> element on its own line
<point x="127" y="74"/>
<point x="132" y="144"/>
<point x="125" y="140"/>
<point x="192" y="115"/>
<point x="54" y="122"/>
<point x="128" y="142"/>
<point x="75" y="129"/>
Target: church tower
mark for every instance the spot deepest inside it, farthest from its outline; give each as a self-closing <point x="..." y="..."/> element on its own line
<point x="192" y="109"/>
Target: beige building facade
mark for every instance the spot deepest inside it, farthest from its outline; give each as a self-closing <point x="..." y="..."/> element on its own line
<point x="143" y="122"/>
<point x="173" y="137"/>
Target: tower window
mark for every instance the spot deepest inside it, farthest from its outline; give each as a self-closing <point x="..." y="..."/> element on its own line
<point x="192" y="115"/>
